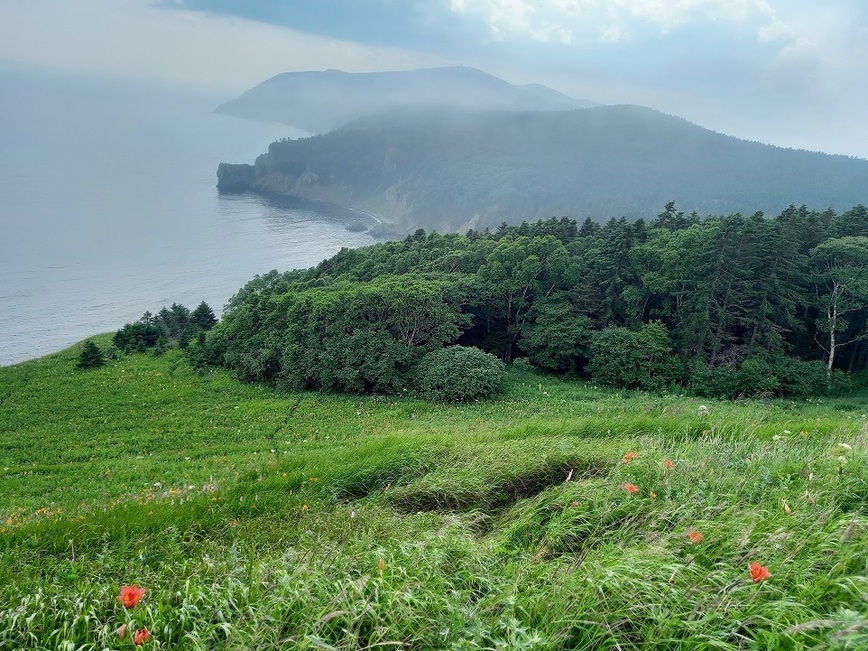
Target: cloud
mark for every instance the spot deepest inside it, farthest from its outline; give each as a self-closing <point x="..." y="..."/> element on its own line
<point x="787" y="71"/>
<point x="775" y="31"/>
<point x="609" y="20"/>
<point x="136" y="39"/>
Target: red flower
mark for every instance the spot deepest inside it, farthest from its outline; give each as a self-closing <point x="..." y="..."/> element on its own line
<point x="631" y="488"/>
<point x="758" y="573"/>
<point x="130" y="595"/>
<point x="668" y="464"/>
<point x="142" y="635"/>
<point x="696" y="537"/>
<point x="630" y="456"/>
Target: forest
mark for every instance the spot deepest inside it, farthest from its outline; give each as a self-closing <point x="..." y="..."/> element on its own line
<point x="450" y="170"/>
<point x="726" y="306"/>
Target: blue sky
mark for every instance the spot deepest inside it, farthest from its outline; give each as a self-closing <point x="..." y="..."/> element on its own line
<point x="789" y="72"/>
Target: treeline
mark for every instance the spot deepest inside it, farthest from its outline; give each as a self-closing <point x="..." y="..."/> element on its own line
<point x="727" y="305"/>
<point x="174" y="326"/>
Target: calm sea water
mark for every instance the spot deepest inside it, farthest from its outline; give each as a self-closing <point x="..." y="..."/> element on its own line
<point x="108" y="209"/>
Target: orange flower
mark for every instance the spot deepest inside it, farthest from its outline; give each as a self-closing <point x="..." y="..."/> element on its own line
<point x="381" y="565"/>
<point x="631" y="488"/>
<point x="758" y="573"/>
<point x="122" y="633"/>
<point x="652" y="494"/>
<point x="142" y="635"/>
<point x="696" y="537"/>
<point x="630" y="456"/>
<point x="668" y="464"/>
<point x="130" y="595"/>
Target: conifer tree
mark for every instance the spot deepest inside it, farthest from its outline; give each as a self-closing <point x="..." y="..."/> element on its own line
<point x="91" y="356"/>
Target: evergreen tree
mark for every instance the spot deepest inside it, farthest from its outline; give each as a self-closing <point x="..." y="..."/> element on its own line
<point x="91" y="356"/>
<point x="203" y="317"/>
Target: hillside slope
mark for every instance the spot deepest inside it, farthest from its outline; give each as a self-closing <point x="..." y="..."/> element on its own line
<point x="448" y="169"/>
<point x="558" y="517"/>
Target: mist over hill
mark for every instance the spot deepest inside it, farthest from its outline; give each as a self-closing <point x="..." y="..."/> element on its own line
<point x="454" y="169"/>
<point x="318" y="102"/>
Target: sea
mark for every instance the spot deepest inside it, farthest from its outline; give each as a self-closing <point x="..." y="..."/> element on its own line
<point x="108" y="208"/>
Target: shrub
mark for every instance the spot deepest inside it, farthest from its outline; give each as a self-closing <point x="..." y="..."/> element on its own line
<point x="758" y="377"/>
<point x="459" y="373"/>
<point x="91" y="356"/>
<point x="622" y="358"/>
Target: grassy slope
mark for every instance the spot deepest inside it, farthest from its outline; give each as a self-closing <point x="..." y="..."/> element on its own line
<point x="257" y="519"/>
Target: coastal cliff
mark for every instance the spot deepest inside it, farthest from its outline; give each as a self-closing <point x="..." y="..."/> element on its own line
<point x="449" y="170"/>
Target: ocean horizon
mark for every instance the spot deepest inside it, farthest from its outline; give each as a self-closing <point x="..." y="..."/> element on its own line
<point x="109" y="208"/>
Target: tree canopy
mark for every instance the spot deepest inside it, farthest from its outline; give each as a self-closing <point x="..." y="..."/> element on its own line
<point x="726" y="304"/>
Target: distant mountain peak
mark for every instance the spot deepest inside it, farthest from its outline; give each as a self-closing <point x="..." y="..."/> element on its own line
<point x="321" y="101"/>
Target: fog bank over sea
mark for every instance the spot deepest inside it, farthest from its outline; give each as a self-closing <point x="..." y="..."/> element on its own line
<point x="108" y="208"/>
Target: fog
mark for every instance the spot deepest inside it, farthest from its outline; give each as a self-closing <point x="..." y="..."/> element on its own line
<point x="785" y="72"/>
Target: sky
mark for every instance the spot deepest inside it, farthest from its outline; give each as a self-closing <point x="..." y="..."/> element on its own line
<point x="787" y="72"/>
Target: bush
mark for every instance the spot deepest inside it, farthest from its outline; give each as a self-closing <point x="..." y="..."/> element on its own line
<point x="802" y="379"/>
<point x="626" y="358"/>
<point x="459" y="373"/>
<point x="774" y="376"/>
<point x="91" y="356"/>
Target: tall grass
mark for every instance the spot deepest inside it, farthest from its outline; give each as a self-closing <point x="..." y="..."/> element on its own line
<point x="262" y="520"/>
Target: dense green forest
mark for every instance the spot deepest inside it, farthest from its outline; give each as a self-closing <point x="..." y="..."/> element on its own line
<point x="727" y="305"/>
<point x="449" y="170"/>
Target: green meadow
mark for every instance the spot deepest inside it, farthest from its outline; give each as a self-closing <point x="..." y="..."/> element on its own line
<point x="557" y="516"/>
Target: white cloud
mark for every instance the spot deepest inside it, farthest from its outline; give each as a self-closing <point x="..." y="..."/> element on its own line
<point x="612" y="34"/>
<point x="610" y="19"/>
<point x="134" y="39"/>
<point x="775" y="31"/>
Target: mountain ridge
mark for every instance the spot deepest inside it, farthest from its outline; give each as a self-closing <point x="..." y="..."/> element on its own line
<point x="444" y="169"/>
<point x="316" y="101"/>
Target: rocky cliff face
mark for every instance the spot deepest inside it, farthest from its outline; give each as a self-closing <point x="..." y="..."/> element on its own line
<point x="393" y="205"/>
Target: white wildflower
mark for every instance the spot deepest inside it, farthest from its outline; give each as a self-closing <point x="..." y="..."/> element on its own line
<point x="703" y="410"/>
<point x="845" y="446"/>
<point x="842" y="460"/>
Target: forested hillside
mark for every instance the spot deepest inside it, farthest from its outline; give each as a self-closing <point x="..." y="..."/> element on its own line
<point x="450" y="170"/>
<point x="728" y="305"/>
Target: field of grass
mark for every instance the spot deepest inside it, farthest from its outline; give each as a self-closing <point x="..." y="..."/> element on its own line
<point x="257" y="519"/>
